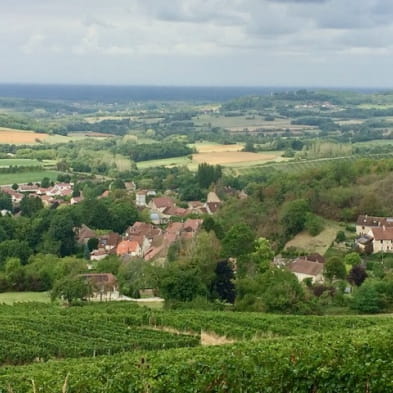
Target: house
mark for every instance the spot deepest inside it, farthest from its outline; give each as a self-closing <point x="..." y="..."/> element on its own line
<point x="302" y="269"/>
<point x="382" y="238"/>
<point x="84" y="233"/>
<point x="75" y="200"/>
<point x="109" y="241"/>
<point x="104" y="285"/>
<point x="128" y="248"/>
<point x="140" y="198"/>
<point x="97" y="255"/>
<point x="213" y="202"/>
<point x="130" y="186"/>
<point x="160" y="204"/>
<point x="365" y="223"/>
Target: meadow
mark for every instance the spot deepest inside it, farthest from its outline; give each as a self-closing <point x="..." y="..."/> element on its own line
<point x="26" y="177"/>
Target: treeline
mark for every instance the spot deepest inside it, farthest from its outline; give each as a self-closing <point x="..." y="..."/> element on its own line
<point x="143" y="152"/>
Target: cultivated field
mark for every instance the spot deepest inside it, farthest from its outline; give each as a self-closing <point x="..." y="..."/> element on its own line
<point x="26" y="177"/>
<point x="234" y="157"/>
<point x="11" y="136"/>
<point x="320" y="243"/>
<point x="7" y="162"/>
<point x="210" y="148"/>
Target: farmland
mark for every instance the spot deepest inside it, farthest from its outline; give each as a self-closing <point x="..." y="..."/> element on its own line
<point x="11" y="136"/>
<point x="26" y="177"/>
<point x="269" y="352"/>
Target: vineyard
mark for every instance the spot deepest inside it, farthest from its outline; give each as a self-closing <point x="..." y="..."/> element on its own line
<point x="119" y="348"/>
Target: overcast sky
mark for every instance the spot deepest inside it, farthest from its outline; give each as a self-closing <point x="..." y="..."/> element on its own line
<point x="198" y="42"/>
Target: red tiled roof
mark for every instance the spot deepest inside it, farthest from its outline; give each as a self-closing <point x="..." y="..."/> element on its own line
<point x="382" y="233"/>
<point x="127" y="247"/>
<point x="161" y="202"/>
<point x="306" y="267"/>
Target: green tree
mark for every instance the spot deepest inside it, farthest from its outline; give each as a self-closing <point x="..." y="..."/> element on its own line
<point x="313" y="224"/>
<point x="293" y="216"/>
<point x="5" y="201"/>
<point x="334" y="269"/>
<point x="30" y="205"/>
<point x="71" y="288"/>
<point x="353" y="258"/>
<point x="45" y="182"/>
<point x="239" y="240"/>
<point x="263" y="254"/>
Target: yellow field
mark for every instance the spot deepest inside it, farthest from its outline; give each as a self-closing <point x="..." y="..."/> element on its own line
<point x="232" y="157"/>
<point x="8" y="135"/>
<point x="206" y="148"/>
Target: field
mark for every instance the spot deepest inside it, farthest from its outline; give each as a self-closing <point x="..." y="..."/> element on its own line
<point x="251" y="123"/>
<point x="17" y="297"/>
<point x="7" y="162"/>
<point x="214" y="147"/>
<point x="11" y="136"/>
<point x="233" y="157"/>
<point x="167" y="162"/>
<point x="341" y="354"/>
<point x="26" y="177"/>
<point x="320" y="243"/>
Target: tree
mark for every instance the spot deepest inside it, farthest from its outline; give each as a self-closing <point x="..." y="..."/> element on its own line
<point x="208" y="174"/>
<point x="357" y="275"/>
<point x="313" y="224"/>
<point x="239" y="240"/>
<point x="223" y="284"/>
<point x="293" y="216"/>
<point x="71" y="288"/>
<point x="180" y="284"/>
<point x="14" y="249"/>
<point x="92" y="244"/>
<point x="45" y="182"/>
<point x="367" y="298"/>
<point x="15" y="274"/>
<point x="263" y="254"/>
<point x="30" y="205"/>
<point x="353" y="259"/>
<point x="15" y="186"/>
<point x="249" y="147"/>
<point x="334" y="269"/>
<point x="5" y="201"/>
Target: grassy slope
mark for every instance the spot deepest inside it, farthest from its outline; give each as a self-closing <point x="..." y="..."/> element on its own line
<point x="26" y="177"/>
<point x="16" y="297"/>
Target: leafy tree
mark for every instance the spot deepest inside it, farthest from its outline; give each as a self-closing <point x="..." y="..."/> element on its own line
<point x="30" y="205"/>
<point x="71" y="288"/>
<point x="367" y="298"/>
<point x="223" y="283"/>
<point x="5" y="201"/>
<point x="353" y="259"/>
<point x="110" y="264"/>
<point x="239" y="240"/>
<point x="60" y="238"/>
<point x="293" y="216"/>
<point x="92" y="244"/>
<point x="263" y="254"/>
<point x="313" y="224"/>
<point x="334" y="269"/>
<point x="249" y="147"/>
<point x="357" y="275"/>
<point x="45" y="182"/>
<point x="15" y="186"/>
<point x="15" y="274"/>
<point x="275" y="290"/>
<point x="208" y="174"/>
<point x="14" y="249"/>
<point x="181" y="284"/>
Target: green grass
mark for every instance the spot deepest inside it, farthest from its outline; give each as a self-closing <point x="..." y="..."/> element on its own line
<point x="19" y="297"/>
<point x="174" y="161"/>
<point x="7" y="162"/>
<point x="26" y="177"/>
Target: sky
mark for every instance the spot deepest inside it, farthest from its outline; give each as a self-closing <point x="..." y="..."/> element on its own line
<point x="332" y="43"/>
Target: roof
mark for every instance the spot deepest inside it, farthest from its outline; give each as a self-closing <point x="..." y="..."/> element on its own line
<point x="303" y="266"/>
<point x="127" y="247"/>
<point x="85" y="233"/>
<point x="175" y="211"/>
<point x="143" y="228"/>
<point x="382" y="233"/>
<point x="192" y="224"/>
<point x="212" y="197"/>
<point x="100" y="278"/>
<point x="372" y="221"/>
<point x="161" y="202"/>
<point x="316" y="257"/>
<point x="213" y="206"/>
